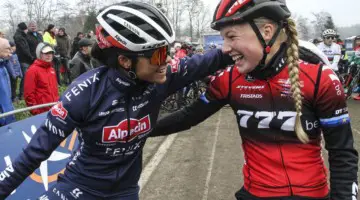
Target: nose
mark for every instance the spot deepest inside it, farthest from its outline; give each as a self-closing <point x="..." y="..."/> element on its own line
<point x="226" y="48"/>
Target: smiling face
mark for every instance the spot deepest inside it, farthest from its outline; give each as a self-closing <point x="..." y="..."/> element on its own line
<point x="241" y="43"/>
<point x="151" y="73"/>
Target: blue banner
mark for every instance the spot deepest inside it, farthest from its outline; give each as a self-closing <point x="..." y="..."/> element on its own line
<point x="213" y="39"/>
<point x="14" y="138"/>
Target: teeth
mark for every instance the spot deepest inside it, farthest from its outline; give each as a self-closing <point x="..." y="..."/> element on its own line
<point x="162" y="70"/>
<point x="235" y="58"/>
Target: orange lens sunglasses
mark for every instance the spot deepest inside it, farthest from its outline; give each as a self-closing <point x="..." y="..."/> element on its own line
<point x="159" y="56"/>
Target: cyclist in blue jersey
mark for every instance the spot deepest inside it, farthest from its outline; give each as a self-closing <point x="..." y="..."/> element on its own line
<point x="113" y="107"/>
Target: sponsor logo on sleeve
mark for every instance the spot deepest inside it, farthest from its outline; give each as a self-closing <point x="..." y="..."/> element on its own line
<point x="76" y="193"/>
<point x="45" y="197"/>
<point x="59" y="111"/>
<point x="59" y="194"/>
<point x="120" y="132"/>
<point x="55" y="130"/>
<point x="81" y="86"/>
<point x="335" y="121"/>
<point x="6" y="173"/>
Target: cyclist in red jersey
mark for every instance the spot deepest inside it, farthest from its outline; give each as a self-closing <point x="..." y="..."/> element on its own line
<point x="283" y="104"/>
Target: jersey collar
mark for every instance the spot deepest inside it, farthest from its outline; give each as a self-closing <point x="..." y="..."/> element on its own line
<point x="276" y="64"/>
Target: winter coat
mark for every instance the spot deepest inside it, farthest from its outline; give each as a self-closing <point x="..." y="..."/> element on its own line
<point x="63" y="45"/>
<point x="5" y="94"/>
<point x="40" y="85"/>
<point x="10" y="70"/>
<point x="75" y="46"/>
<point x="48" y="38"/>
<point x="15" y="66"/>
<point x="81" y="63"/>
<point x="22" y="47"/>
<point x="33" y="39"/>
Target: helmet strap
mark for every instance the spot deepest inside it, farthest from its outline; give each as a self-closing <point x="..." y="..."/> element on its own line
<point x="266" y="47"/>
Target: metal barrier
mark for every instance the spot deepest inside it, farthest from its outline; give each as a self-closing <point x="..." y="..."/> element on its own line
<point x="26" y="109"/>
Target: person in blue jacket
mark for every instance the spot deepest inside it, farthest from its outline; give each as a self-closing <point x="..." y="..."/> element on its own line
<point x="113" y="107"/>
<point x="14" y="70"/>
<point x="5" y="88"/>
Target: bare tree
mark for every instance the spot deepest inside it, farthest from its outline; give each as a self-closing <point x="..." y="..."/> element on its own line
<point x="321" y="22"/>
<point x="303" y="28"/>
<point x="202" y="21"/>
<point x="90" y="6"/>
<point x="44" y="12"/>
<point x="175" y="12"/>
<point x="193" y="9"/>
<point x="13" y="17"/>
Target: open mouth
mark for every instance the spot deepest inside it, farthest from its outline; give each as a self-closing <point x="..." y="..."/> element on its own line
<point x="237" y="58"/>
<point x="161" y="70"/>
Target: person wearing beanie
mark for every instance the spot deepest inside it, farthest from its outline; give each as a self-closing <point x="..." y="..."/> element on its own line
<point x="23" y="52"/>
<point x="22" y="26"/>
<point x="40" y="81"/>
<point x="82" y="61"/>
<point x="5" y="91"/>
<point x="49" y="35"/>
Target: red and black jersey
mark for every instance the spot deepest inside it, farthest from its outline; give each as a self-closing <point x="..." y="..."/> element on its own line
<point x="277" y="164"/>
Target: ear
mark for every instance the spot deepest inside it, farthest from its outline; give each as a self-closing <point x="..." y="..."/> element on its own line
<point x="268" y="31"/>
<point x="124" y="62"/>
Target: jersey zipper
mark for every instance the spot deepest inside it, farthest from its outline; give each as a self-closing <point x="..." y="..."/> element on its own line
<point x="127" y="117"/>
<point x="287" y="175"/>
<point x="127" y="114"/>
<point x="279" y="145"/>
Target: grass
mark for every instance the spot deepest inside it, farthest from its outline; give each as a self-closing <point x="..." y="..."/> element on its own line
<point x="22" y="104"/>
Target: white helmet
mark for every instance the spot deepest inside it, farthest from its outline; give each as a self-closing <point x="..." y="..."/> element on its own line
<point x="329" y="32"/>
<point x="133" y="26"/>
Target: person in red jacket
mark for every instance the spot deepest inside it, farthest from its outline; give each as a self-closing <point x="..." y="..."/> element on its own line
<point x="40" y="83"/>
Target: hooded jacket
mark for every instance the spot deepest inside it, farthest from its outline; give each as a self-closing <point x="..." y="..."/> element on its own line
<point x="40" y="85"/>
<point x="5" y="94"/>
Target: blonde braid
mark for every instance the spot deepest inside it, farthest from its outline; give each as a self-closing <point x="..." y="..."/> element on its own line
<point x="293" y="65"/>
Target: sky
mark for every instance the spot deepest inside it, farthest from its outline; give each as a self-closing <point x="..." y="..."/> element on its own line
<point x="344" y="14"/>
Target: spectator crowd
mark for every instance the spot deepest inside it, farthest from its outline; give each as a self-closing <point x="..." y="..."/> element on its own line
<point x="35" y="63"/>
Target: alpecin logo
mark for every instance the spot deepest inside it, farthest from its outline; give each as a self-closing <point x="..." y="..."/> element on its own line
<point x="59" y="111"/>
<point x="119" y="133"/>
